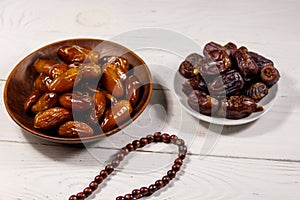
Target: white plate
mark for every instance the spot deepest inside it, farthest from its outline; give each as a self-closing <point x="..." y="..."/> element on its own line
<point x="266" y="103"/>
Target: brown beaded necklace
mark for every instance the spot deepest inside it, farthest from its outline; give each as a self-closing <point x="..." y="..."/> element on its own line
<point x="143" y="191"/>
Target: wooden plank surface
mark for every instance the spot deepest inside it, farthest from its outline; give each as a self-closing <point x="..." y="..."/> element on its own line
<point x="259" y="160"/>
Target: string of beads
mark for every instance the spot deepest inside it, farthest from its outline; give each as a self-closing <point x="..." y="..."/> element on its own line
<point x="143" y="191"/>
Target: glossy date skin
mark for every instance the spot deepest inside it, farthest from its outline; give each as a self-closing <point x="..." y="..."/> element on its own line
<point x="237" y="107"/>
<point x="202" y="102"/>
<point x="239" y="75"/>
<point x="269" y="75"/>
<point x="257" y="91"/>
<point x="51" y="118"/>
<point x="216" y="57"/>
<point x="186" y="68"/>
<point x="260" y="60"/>
<point x="247" y="67"/>
<point x="46" y="101"/>
<point x="76" y="101"/>
<point x="77" y="54"/>
<point x="226" y="84"/>
<point x="75" y="129"/>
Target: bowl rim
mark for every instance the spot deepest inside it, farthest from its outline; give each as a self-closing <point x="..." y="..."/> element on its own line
<point x="79" y="140"/>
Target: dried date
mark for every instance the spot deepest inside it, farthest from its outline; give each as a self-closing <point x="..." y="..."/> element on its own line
<point x="46" y="101"/>
<point x="77" y="54"/>
<point x="111" y="81"/>
<point x="51" y="118"/>
<point x="42" y="82"/>
<point x="260" y="60"/>
<point x="257" y="91"/>
<point x="246" y="65"/>
<point x="75" y="129"/>
<point x="43" y="65"/>
<point x="203" y="103"/>
<point x="237" y="107"/>
<point x="32" y="99"/>
<point x="76" y="101"/>
<point x="132" y="89"/>
<point x="269" y="75"/>
<point x="117" y="114"/>
<point x="227" y="83"/>
<point x="65" y="81"/>
<point x="186" y="68"/>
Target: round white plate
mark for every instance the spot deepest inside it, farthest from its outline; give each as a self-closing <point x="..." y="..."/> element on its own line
<point x="266" y="103"/>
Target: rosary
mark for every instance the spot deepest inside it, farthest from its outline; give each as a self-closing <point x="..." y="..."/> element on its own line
<point x="143" y="191"/>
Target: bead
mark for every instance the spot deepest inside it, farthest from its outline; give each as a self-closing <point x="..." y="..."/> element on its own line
<point x="80" y="196"/>
<point x="182" y="155"/>
<point x="128" y="197"/>
<point x="143" y="142"/>
<point x="144" y="191"/>
<point x="93" y="185"/>
<point x="115" y="163"/>
<point x="165" y="138"/>
<point x="109" y="169"/>
<point x="103" y="174"/>
<point x="130" y="147"/>
<point x="87" y="191"/>
<point x="73" y="197"/>
<point x="136" y="144"/>
<point x="171" y="174"/>
<point x="125" y="151"/>
<point x="98" y="179"/>
<point x="150" y="138"/>
<point x="136" y="193"/>
<point x="120" y="156"/>
<point x="178" y="161"/>
<point x="173" y="138"/>
<point x="182" y="149"/>
<point x="152" y="188"/>
<point x="157" y="137"/>
<point x="166" y="179"/>
<point x="159" y="184"/>
<point x="179" y="142"/>
<point x="176" y="167"/>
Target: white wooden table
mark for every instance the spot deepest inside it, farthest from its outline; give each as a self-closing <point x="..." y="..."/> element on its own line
<point x="259" y="160"/>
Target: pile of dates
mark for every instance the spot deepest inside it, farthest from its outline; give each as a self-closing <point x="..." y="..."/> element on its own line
<point x="228" y="81"/>
<point x="80" y="94"/>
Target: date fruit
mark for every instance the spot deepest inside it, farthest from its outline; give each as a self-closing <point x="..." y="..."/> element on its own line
<point x="42" y="82"/>
<point x="65" y="81"/>
<point x="76" y="101"/>
<point x="111" y="81"/>
<point x="227" y="83"/>
<point x="77" y="54"/>
<point x="51" y="118"/>
<point x="132" y="89"/>
<point x="43" y="65"/>
<point x="46" y="101"/>
<point x="75" y="129"/>
<point x="257" y="91"/>
<point x="246" y="65"/>
<point x="186" y="68"/>
<point x="58" y="69"/>
<point x="32" y="99"/>
<point x="117" y="114"/>
<point x="237" y="107"/>
<point x="202" y="102"/>
<point x="260" y="60"/>
<point x="269" y="75"/>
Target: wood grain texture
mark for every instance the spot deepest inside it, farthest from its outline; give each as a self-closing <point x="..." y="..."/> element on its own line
<point x="256" y="161"/>
<point x="43" y="172"/>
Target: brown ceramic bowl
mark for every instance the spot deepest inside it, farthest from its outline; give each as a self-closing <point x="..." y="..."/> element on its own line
<point x="20" y="83"/>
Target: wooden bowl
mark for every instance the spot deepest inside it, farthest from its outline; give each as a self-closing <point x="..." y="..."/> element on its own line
<point x="20" y="84"/>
